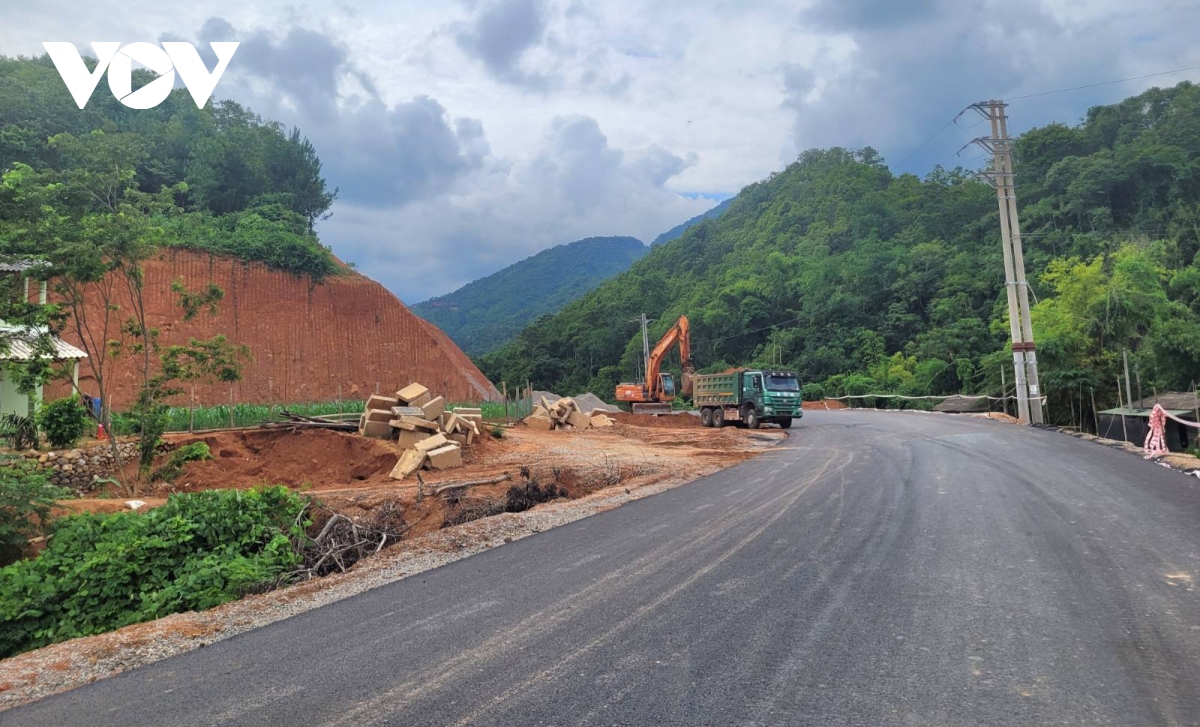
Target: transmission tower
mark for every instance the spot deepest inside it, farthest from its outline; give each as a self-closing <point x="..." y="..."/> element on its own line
<point x="1001" y="177"/>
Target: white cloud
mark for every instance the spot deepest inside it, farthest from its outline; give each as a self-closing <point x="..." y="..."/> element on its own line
<point x="466" y="135"/>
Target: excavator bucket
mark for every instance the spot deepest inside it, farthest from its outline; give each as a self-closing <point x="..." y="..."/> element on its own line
<point x="657" y="409"/>
<point x="685" y="382"/>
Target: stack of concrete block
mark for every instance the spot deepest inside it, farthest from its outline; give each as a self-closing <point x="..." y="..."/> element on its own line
<point x="431" y="435"/>
<point x="564" y="414"/>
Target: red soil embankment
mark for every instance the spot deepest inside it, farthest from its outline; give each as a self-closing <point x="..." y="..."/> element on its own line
<point x="346" y="336"/>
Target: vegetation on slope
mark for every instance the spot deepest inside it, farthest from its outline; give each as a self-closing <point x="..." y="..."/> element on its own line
<point x="488" y="312"/>
<point x="866" y="281"/>
<point x="678" y="230"/>
<point x="241" y="185"/>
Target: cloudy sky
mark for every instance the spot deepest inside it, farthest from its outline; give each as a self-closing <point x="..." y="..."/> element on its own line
<point x="467" y="134"/>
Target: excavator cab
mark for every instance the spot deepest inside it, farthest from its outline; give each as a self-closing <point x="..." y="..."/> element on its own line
<point x="667" y="386"/>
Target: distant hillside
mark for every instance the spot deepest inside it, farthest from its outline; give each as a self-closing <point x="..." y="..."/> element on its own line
<point x="488" y="312"/>
<point x="678" y="230"/>
<point x="866" y="281"/>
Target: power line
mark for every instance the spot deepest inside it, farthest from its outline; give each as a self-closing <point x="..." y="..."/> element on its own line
<point x="922" y="145"/>
<point x="1103" y="83"/>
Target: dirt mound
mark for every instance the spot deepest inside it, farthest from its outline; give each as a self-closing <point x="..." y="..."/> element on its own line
<point x="310" y="341"/>
<point x="317" y="458"/>
<point x="825" y="404"/>
<point x="588" y="402"/>
<point x="682" y="420"/>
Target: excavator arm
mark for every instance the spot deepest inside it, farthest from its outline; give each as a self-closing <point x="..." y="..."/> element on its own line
<point x="680" y="334"/>
<point x="652" y="389"/>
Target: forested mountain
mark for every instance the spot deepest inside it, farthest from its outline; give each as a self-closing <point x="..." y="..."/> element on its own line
<point x="683" y="227"/>
<point x="488" y="312"/>
<point x="865" y="281"/>
<point x="239" y="185"/>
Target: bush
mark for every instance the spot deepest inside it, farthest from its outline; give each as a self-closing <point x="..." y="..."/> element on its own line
<point x="813" y="392"/>
<point x="102" y="572"/>
<point x="64" y="421"/>
<point x="194" y="452"/>
<point x="26" y="498"/>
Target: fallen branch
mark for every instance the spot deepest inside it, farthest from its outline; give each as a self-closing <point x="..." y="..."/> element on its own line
<point x="470" y="483"/>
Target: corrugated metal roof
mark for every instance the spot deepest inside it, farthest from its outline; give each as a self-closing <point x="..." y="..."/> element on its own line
<point x="1171" y="400"/>
<point x="20" y="349"/>
<point x="1122" y="411"/>
<point x="15" y="267"/>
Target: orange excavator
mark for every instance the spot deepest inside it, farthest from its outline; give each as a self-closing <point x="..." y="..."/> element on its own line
<point x="654" y="395"/>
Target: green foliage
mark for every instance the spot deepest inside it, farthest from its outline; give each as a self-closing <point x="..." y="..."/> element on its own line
<point x="238" y="185"/>
<point x="173" y="467"/>
<point x="498" y="432"/>
<point x="868" y="282"/>
<point x="241" y="415"/>
<point x="102" y="572"/>
<point x="63" y="421"/>
<point x="26" y="499"/>
<point x="20" y="431"/>
<point x="484" y="314"/>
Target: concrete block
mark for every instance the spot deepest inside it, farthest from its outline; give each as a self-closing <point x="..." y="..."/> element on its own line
<point x="408" y="463"/>
<point x="411" y="393"/>
<point x="451" y="423"/>
<point x="541" y="411"/>
<point x="409" y="439"/>
<point x="378" y="401"/>
<point x="461" y="439"/>
<point x="433" y="408"/>
<point x="602" y="421"/>
<point x="422" y="400"/>
<point x="446" y="457"/>
<point x="432" y="442"/>
<point x="471" y="438"/>
<point x="540" y="423"/>
<point x="579" y="420"/>
<point x="419" y="423"/>
<point x="379" y="415"/>
<point x="412" y="411"/>
<point x="379" y="430"/>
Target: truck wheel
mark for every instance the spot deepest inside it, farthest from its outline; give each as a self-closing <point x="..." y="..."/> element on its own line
<point x="785" y="423"/>
<point x="751" y="419"/>
<point x="706" y="417"/>
<point x="718" y="417"/>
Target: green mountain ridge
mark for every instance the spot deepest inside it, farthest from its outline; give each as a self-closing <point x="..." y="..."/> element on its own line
<point x="678" y="230"/>
<point x="488" y="312"/>
<point x="869" y="282"/>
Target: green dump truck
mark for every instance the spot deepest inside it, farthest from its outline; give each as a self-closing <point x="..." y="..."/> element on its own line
<point x="751" y="396"/>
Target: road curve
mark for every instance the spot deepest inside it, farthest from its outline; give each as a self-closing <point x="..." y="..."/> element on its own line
<point x="877" y="569"/>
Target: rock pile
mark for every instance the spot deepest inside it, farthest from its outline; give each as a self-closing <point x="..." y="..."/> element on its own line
<point x="564" y="414"/>
<point x="79" y="469"/>
<point x="431" y="436"/>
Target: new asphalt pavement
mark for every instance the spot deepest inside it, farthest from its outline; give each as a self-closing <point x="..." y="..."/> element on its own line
<point x="876" y="569"/>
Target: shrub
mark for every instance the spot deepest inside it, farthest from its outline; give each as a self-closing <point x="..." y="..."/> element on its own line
<point x="26" y="498"/>
<point x="173" y="467"/>
<point x="813" y="392"/>
<point x="102" y="572"/>
<point x="20" y="431"/>
<point x="63" y="420"/>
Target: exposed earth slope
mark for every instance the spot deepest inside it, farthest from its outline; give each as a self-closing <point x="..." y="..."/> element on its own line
<point x="310" y="341"/>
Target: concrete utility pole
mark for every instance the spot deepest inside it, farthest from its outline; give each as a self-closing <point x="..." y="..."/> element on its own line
<point x="1028" y="392"/>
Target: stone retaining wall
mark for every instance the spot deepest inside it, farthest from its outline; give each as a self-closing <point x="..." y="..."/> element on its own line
<point x="79" y="469"/>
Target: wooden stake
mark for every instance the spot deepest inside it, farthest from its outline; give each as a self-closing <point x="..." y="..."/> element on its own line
<point x="231" y="426"/>
<point x="192" y="411"/>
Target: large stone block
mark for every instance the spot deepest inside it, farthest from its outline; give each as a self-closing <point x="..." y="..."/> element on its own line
<point x="409" y="462"/>
<point x="380" y="430"/>
<point x="378" y="401"/>
<point x="411" y="393"/>
<point x="409" y="439"/>
<point x="540" y="423"/>
<point x="579" y="420"/>
<point x="446" y="457"/>
<point x="434" y="408"/>
<point x="432" y="442"/>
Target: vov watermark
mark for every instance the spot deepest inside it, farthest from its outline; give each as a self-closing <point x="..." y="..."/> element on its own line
<point x="118" y="61"/>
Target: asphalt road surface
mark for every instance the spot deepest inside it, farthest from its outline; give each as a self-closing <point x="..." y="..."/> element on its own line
<point x="877" y="569"/>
